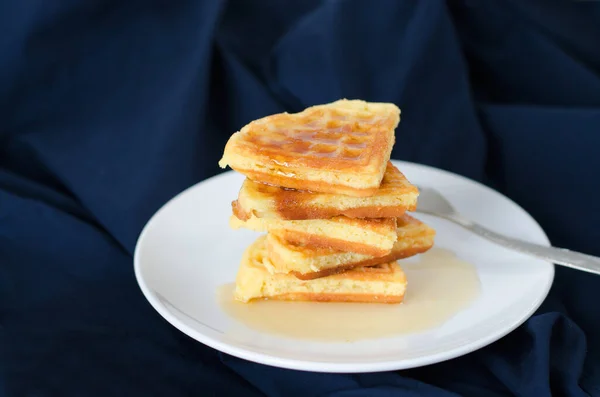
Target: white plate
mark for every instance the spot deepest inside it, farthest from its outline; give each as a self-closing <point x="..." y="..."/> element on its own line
<point x="187" y="251"/>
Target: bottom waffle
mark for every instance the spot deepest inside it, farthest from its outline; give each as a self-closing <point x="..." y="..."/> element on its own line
<point x="307" y="262"/>
<point x="385" y="283"/>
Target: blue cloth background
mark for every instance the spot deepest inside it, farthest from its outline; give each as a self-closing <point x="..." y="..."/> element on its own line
<point x="109" y="108"/>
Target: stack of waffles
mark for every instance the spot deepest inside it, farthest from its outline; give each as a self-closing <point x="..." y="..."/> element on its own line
<point x="332" y="207"/>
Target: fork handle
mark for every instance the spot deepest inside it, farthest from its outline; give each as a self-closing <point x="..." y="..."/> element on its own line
<point x="559" y="256"/>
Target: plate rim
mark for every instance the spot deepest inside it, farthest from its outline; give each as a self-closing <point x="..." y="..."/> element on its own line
<point x="315" y="366"/>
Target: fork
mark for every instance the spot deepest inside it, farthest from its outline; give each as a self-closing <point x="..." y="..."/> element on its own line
<point x="433" y="203"/>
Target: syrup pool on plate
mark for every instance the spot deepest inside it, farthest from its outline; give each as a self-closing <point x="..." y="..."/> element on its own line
<point x="439" y="286"/>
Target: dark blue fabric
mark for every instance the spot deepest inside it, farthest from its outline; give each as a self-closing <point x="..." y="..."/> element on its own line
<point x="109" y="108"/>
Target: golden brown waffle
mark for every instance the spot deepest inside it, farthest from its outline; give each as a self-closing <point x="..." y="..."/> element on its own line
<point x="374" y="237"/>
<point x="340" y="148"/>
<point x="385" y="283"/>
<point x="395" y="196"/>
<point x="308" y="262"/>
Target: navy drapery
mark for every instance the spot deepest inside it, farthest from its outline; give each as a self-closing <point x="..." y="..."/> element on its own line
<point x="107" y="109"/>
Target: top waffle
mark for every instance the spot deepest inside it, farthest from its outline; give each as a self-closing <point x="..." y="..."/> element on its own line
<point x="342" y="148"/>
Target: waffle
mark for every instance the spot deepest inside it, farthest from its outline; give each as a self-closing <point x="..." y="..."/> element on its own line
<point x="308" y="263"/>
<point x="395" y="196"/>
<point x="374" y="237"/>
<point x="384" y="283"/>
<point x="340" y="148"/>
